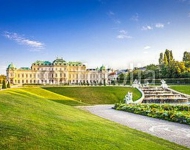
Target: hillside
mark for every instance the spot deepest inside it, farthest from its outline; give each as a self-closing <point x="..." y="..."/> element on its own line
<point x="96" y="95"/>
<point x="29" y="121"/>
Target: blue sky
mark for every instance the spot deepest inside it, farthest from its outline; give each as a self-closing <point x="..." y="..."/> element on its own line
<point x="116" y="33"/>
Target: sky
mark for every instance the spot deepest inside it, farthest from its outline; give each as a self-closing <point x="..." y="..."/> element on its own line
<point x="119" y="34"/>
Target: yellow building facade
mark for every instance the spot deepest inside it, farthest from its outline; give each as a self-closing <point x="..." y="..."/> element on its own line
<point x="57" y="72"/>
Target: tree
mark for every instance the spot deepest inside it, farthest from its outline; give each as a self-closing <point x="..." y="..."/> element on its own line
<point x="8" y="85"/>
<point x="121" y="78"/>
<point x="152" y="67"/>
<point x="161" y="59"/>
<point x="104" y="82"/>
<point x="186" y="56"/>
<point x="4" y="85"/>
<point x="165" y="59"/>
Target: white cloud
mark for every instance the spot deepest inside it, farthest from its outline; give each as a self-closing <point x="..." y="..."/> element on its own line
<point x="24" y="41"/>
<point x="147" y="47"/>
<point x="146" y="28"/>
<point x="135" y="17"/>
<point x="159" y="25"/>
<point x="123" y="35"/>
<point x="123" y="31"/>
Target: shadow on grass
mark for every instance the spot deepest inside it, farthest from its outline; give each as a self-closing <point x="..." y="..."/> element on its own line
<point x="70" y="102"/>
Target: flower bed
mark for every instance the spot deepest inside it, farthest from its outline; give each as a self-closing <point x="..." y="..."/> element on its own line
<point x="175" y="113"/>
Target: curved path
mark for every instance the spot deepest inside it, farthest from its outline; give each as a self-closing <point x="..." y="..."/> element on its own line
<point x="174" y="132"/>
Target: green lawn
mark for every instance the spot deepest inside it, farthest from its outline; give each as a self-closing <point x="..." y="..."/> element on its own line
<point x="181" y="88"/>
<point x="53" y="96"/>
<point x="96" y="95"/>
<point x="31" y="121"/>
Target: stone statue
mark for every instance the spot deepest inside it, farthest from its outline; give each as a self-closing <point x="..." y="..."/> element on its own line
<point x="128" y="98"/>
<point x="164" y="85"/>
<point x="147" y="83"/>
<point x="136" y="84"/>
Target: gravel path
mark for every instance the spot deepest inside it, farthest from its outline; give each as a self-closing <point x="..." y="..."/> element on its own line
<point x="174" y="132"/>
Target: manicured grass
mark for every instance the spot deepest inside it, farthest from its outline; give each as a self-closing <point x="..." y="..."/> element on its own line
<point x="96" y="95"/>
<point x="181" y="88"/>
<point x="53" y="96"/>
<point x="29" y="121"/>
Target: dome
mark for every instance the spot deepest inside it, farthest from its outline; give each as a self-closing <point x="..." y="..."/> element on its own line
<point x="45" y="63"/>
<point x="59" y="61"/>
<point x="11" y="66"/>
<point x="102" y="68"/>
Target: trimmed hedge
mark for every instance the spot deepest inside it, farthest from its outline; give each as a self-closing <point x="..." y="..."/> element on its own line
<point x="175" y="113"/>
<point x="168" y="81"/>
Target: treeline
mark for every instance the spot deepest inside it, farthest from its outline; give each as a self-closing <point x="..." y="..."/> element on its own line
<point x="175" y="72"/>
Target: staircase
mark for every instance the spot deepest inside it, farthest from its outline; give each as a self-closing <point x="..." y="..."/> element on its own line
<point x="161" y="95"/>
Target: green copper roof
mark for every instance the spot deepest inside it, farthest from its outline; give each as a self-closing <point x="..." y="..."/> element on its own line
<point x="59" y="61"/>
<point x="11" y="66"/>
<point x="46" y="63"/>
<point x="102" y="68"/>
<point x="24" y="68"/>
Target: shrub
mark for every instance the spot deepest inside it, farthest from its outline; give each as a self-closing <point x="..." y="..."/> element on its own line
<point x="176" y="113"/>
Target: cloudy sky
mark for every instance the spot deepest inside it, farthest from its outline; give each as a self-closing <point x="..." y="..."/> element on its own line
<point x="116" y="33"/>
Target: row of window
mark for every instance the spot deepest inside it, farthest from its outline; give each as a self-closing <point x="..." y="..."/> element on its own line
<point x="56" y="69"/>
<point x="92" y="76"/>
<point x="51" y="81"/>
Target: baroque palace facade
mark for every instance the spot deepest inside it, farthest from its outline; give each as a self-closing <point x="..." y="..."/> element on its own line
<point x="57" y="72"/>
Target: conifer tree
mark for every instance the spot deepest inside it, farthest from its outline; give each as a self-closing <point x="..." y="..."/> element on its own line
<point x="8" y="85"/>
<point x="161" y="59"/>
<point x="4" y="85"/>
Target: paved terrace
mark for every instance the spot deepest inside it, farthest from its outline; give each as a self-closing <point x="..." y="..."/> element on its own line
<point x="174" y="132"/>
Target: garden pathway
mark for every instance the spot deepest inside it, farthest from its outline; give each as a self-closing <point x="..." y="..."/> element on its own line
<point x="174" y="132"/>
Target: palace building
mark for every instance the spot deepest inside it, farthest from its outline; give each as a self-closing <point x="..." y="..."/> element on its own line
<point x="57" y="72"/>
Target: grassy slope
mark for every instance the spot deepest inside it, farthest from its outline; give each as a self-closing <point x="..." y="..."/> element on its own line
<point x="181" y="88"/>
<point x="28" y="121"/>
<point x="96" y="95"/>
<point x="53" y="96"/>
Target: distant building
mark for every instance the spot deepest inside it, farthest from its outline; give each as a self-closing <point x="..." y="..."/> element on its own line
<point x="113" y="76"/>
<point x="57" y="72"/>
